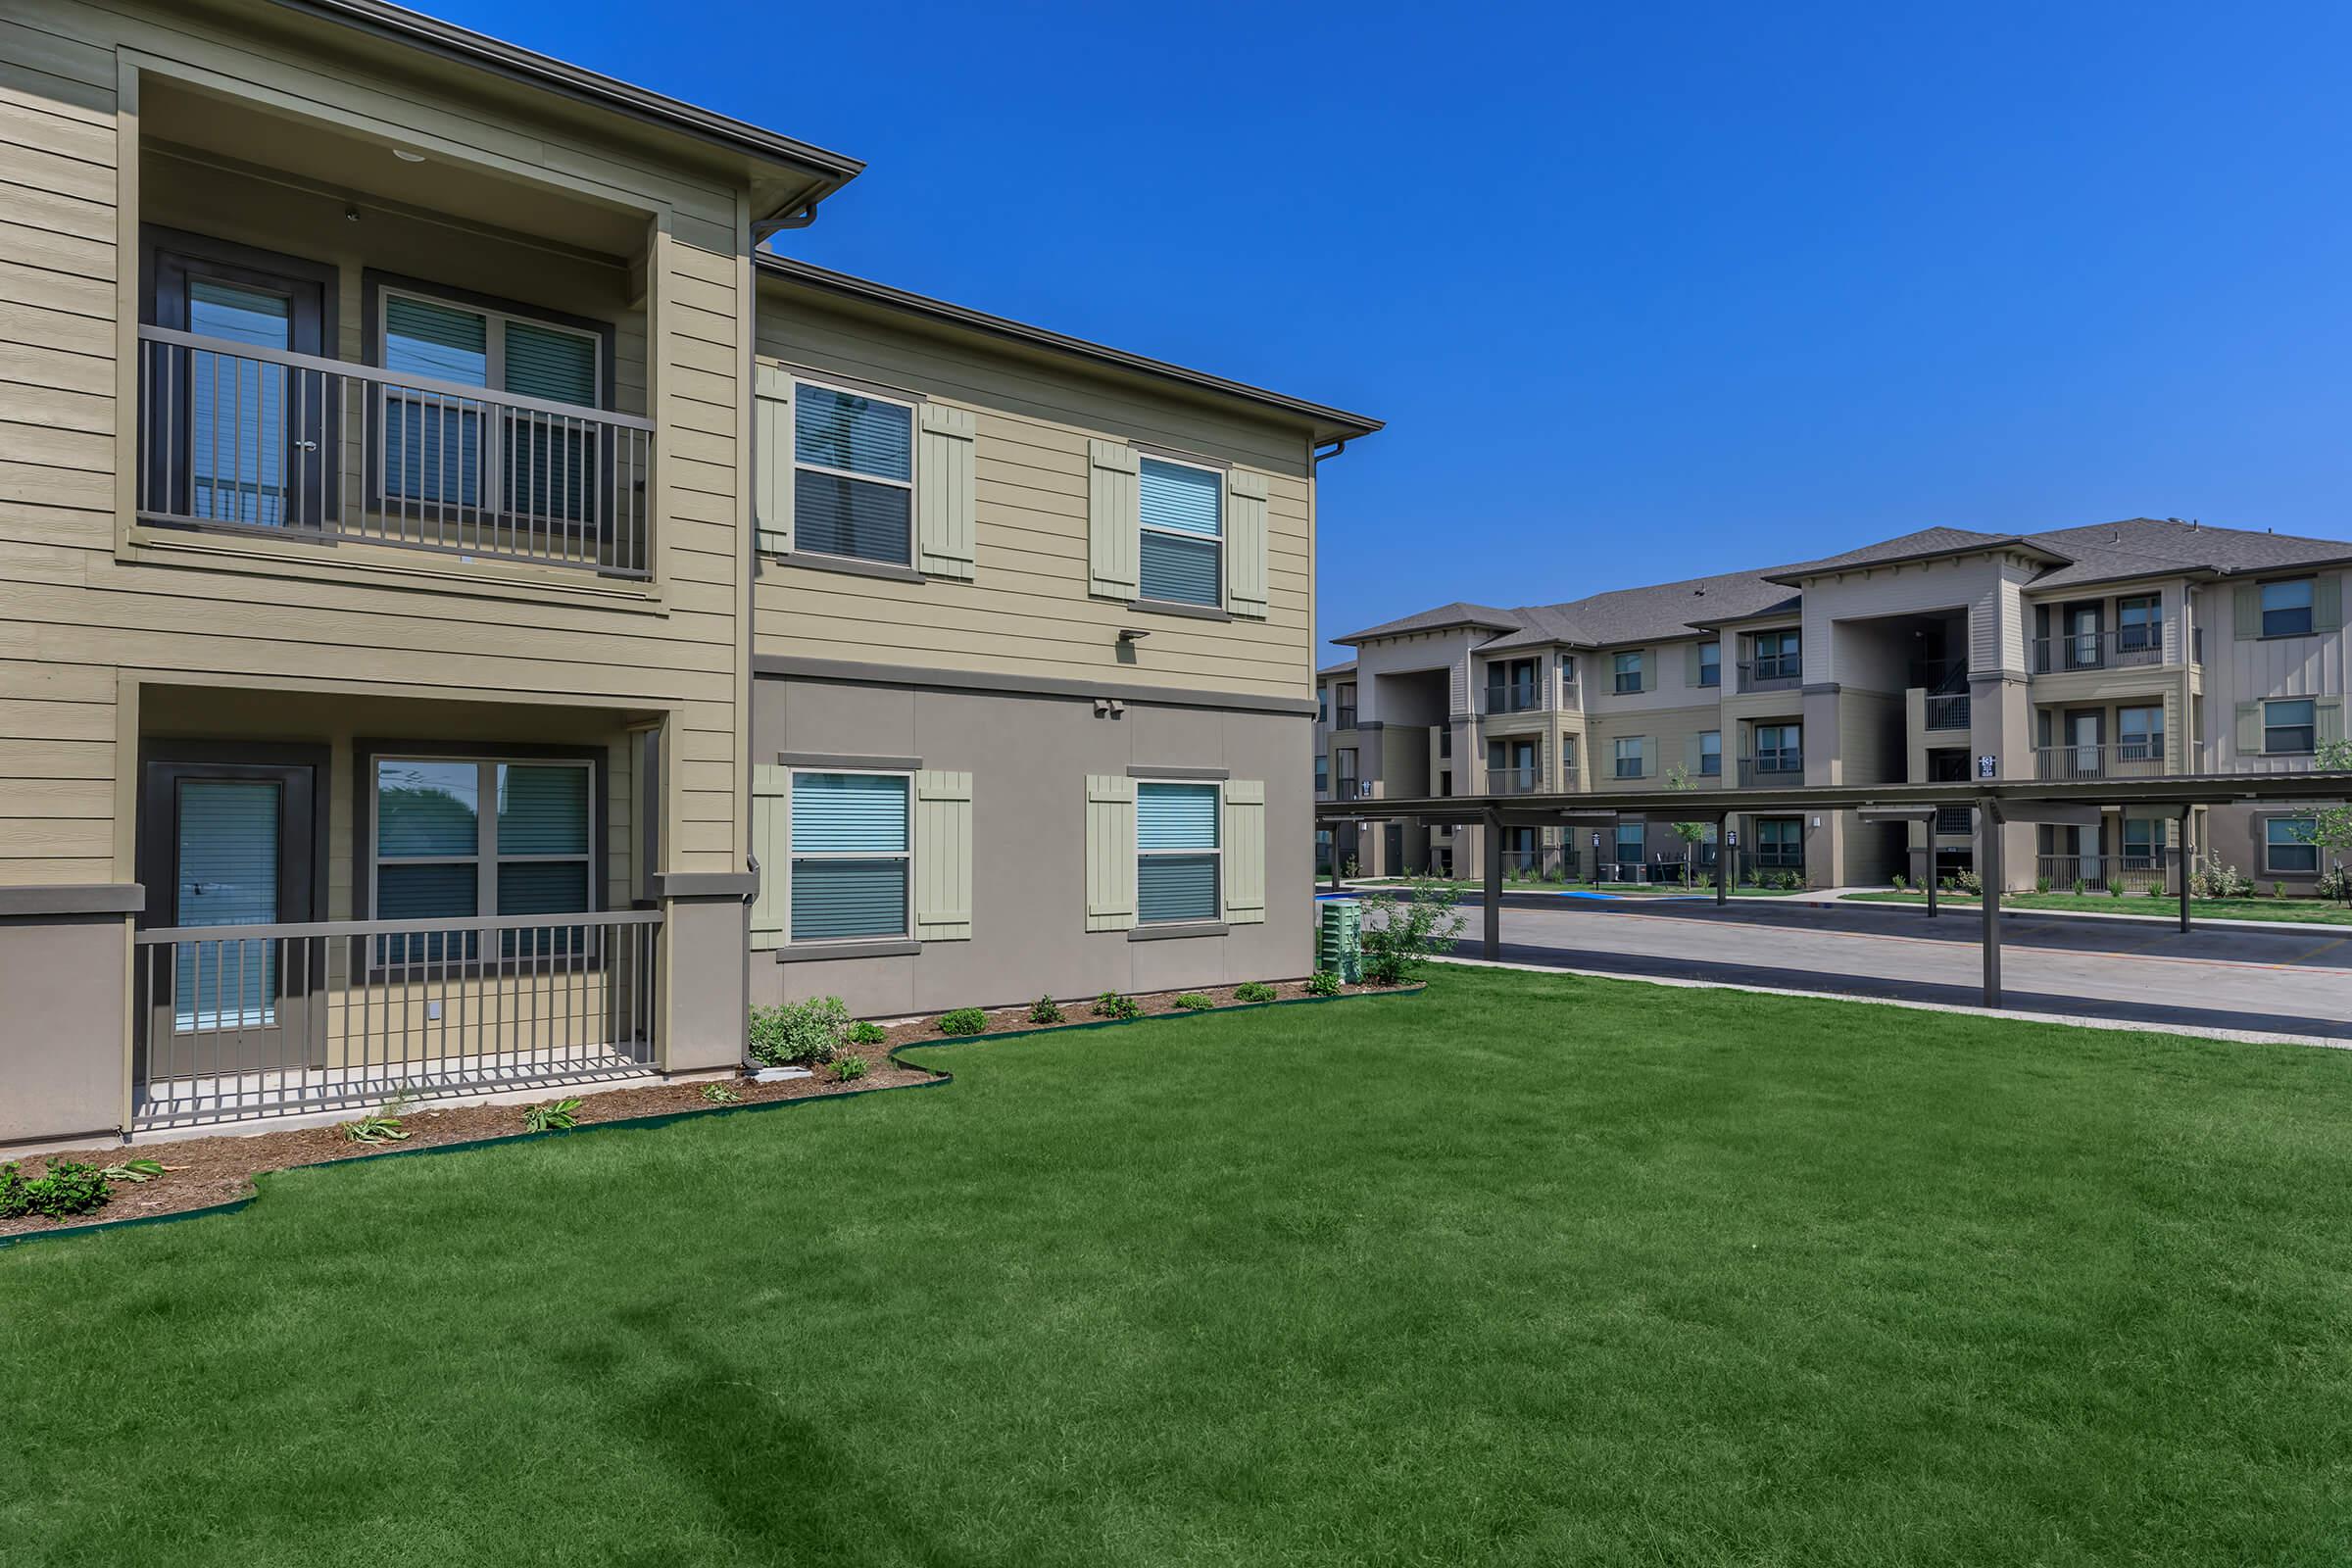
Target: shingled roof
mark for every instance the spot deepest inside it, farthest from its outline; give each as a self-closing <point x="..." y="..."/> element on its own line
<point x="1457" y="613"/>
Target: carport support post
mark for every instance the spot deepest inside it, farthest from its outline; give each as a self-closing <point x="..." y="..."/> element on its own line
<point x="1723" y="862"/>
<point x="2187" y="812"/>
<point x="1989" y="871"/>
<point x="1494" y="889"/>
<point x="1929" y="863"/>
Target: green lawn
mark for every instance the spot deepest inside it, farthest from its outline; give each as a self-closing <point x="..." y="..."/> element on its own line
<point x="1527" y="1270"/>
<point x="1625" y="889"/>
<point x="2305" y="912"/>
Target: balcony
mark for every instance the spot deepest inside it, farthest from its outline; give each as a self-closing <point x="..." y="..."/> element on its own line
<point x="1522" y="697"/>
<point x="2126" y="647"/>
<point x="1955" y="821"/>
<point x="1947" y="712"/>
<point x="1514" y="780"/>
<point x="2133" y="871"/>
<point x="1346" y="718"/>
<point x="259" y="441"/>
<point x="2124" y="759"/>
<point x="1771" y="674"/>
<point x="1779" y="769"/>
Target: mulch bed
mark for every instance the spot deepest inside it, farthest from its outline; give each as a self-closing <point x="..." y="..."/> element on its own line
<point x="200" y="1172"/>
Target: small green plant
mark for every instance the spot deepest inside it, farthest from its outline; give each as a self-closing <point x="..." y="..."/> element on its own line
<point x="1045" y="1009"/>
<point x="719" y="1095"/>
<point x="865" y="1032"/>
<point x="2078" y="887"/>
<point x="1322" y="983"/>
<point x="377" y="1127"/>
<point x="1112" y="1004"/>
<point x="2041" y="884"/>
<point x="69" y="1189"/>
<point x="962" y="1022"/>
<point x="2115" y="889"/>
<point x="13" y="1202"/>
<point x="848" y="1067"/>
<point x="2277" y="890"/>
<point x="2154" y="890"/>
<point x="1969" y="881"/>
<point x="555" y="1117"/>
<point x="800" y="1033"/>
<point x="1901" y="882"/>
<point x="1193" y="1002"/>
<point x="133" y="1171"/>
<point x="1403" y="932"/>
<point x="1254" y="990"/>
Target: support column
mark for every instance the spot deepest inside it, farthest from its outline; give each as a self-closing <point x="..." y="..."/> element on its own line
<point x="1931" y="873"/>
<point x="1334" y="855"/>
<point x="2186" y="814"/>
<point x="1723" y="859"/>
<point x="1989" y="871"/>
<point x="1493" y="888"/>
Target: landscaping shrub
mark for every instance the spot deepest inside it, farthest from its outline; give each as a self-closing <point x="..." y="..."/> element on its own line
<point x="1901" y="882"/>
<point x="133" y="1171"/>
<point x="1112" y="1005"/>
<point x="1969" y="882"/>
<point x="2115" y="889"/>
<point x="67" y="1190"/>
<point x="13" y="1202"/>
<point x="2155" y="890"/>
<point x="846" y="1068"/>
<point x="2335" y="884"/>
<point x="719" y="1095"/>
<point x="1254" y="990"/>
<point x="867" y="1033"/>
<point x="1193" y="1002"/>
<point x="377" y="1127"/>
<point x="1323" y="983"/>
<point x="1403" y="931"/>
<point x="962" y="1022"/>
<point x="1045" y="1009"/>
<point x="2078" y="887"/>
<point x="800" y="1033"/>
<point x="2041" y="884"/>
<point x="555" y="1117"/>
<point x="2277" y="890"/>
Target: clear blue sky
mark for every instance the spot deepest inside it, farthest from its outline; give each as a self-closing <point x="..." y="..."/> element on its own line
<point x="1642" y="291"/>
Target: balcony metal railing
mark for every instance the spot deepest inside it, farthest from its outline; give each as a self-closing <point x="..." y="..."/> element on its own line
<point x="1771" y="674"/>
<point x="258" y="440"/>
<point x="1947" y="712"/>
<point x="2135" y="872"/>
<point x="1346" y="718"/>
<point x="1514" y="780"/>
<point x="1772" y="769"/>
<point x="1523" y="698"/>
<point x="2124" y="760"/>
<point x="2125" y="648"/>
<point x="237" y="1021"/>
<point x="1954" y="819"/>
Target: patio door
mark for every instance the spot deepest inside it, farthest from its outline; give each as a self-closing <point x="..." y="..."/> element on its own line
<point x="224" y="845"/>
<point x="2085" y="729"/>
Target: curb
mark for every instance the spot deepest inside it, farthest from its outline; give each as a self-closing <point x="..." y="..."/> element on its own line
<point x="940" y="1079"/>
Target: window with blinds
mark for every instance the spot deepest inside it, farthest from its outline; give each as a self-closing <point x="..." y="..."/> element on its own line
<point x="1183" y="532"/>
<point x="439" y="855"/>
<point x="1177" y="852"/>
<point x="853" y="480"/>
<point x="850" y="854"/>
<point x="439" y="446"/>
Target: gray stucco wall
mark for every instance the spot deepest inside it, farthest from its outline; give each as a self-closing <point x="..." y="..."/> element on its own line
<point x="61" y="1045"/>
<point x="1029" y="757"/>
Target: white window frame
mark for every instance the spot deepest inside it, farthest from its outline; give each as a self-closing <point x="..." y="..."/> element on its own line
<point x="915" y="460"/>
<point x="2318" y="860"/>
<point x="2310" y="606"/>
<point x="1706" y="665"/>
<point x="792" y="785"/>
<point x="485" y="859"/>
<point x="1143" y="528"/>
<point x="1639" y="756"/>
<point x="2313" y="726"/>
<point x="1704" y="736"/>
<point x="1640" y="671"/>
<point x="1142" y="854"/>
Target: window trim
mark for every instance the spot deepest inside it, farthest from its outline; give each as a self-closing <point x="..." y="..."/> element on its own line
<point x="1218" y="853"/>
<point x="1788" y="656"/>
<point x="792" y="940"/>
<point x="1641" y="756"/>
<point x="1705" y="756"/>
<point x="914" y="406"/>
<point x="2310" y="608"/>
<point x="2318" y="858"/>
<point x="1710" y="669"/>
<point x="1639" y="672"/>
<point x="2313" y="727"/>
<point x="1144" y="600"/>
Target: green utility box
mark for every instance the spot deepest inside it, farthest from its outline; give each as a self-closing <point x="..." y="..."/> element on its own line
<point x="1340" y="939"/>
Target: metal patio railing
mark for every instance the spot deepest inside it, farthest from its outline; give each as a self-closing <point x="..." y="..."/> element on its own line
<point x="238" y="1021"/>
<point x="251" y="439"/>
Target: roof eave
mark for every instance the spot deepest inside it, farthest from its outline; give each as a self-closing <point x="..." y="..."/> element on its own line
<point x="1327" y="424"/>
<point x="1798" y="576"/>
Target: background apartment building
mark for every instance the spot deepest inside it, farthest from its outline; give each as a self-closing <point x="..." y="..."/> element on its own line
<point x="465" y="595"/>
<point x="2131" y="649"/>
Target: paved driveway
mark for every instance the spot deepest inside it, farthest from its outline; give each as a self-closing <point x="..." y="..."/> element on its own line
<point x="2297" y="982"/>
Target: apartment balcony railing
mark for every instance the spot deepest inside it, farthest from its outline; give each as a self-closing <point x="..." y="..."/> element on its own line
<point x="1772" y="769"/>
<point x="1514" y="780"/>
<point x="1348" y="788"/>
<point x="2125" y="648"/>
<point x="257" y="440"/>
<point x="1947" y="712"/>
<point x="1771" y="674"/>
<point x="236" y="1021"/>
<point x="1954" y="819"/>
<point x="1524" y="697"/>
<point x="2123" y="759"/>
<point x="2135" y="872"/>
<point x="1346" y="718"/>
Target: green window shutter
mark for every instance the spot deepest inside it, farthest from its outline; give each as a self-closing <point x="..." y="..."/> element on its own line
<point x="1109" y="852"/>
<point x="1114" y="525"/>
<point x="771" y="461"/>
<point x="947" y="527"/>
<point x="2250" y="729"/>
<point x="2245" y="612"/>
<point x="1691" y="752"/>
<point x="1246" y="591"/>
<point x="770" y="784"/>
<point x="2327" y="601"/>
<point x="2329" y="711"/>
<point x="1245" y="852"/>
<point x="943" y="856"/>
<point x="1690" y="670"/>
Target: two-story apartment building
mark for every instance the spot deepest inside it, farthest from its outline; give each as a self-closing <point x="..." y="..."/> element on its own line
<point x="2132" y="650"/>
<point x="475" y="617"/>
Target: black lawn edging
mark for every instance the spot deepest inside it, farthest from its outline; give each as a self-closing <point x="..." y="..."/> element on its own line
<point x="940" y="1078"/>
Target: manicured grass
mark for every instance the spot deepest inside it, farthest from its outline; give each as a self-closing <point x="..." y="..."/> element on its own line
<point x="1625" y="889"/>
<point x="2305" y="911"/>
<point x="1529" y="1269"/>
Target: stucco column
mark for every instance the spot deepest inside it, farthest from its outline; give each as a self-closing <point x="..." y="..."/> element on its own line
<point x="2001" y="726"/>
<point x="706" y="973"/>
<point x="65" y="1046"/>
